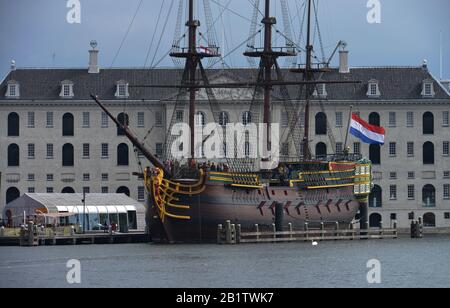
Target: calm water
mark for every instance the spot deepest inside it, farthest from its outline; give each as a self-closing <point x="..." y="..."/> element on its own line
<point x="405" y="263"/>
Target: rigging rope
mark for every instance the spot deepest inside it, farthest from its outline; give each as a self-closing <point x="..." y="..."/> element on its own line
<point x="126" y="33"/>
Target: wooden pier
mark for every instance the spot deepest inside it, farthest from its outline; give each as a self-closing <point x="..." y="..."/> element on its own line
<point x="33" y="236"/>
<point x="232" y="234"/>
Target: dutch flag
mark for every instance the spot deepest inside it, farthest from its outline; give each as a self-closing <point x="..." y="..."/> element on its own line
<point x="366" y="132"/>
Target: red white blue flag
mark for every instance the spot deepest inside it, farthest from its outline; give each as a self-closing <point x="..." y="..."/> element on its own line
<point x="368" y="133"/>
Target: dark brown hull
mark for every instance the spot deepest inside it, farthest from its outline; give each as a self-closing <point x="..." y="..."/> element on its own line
<point x="247" y="207"/>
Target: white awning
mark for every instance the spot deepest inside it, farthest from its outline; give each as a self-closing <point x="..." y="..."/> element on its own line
<point x="121" y="209"/>
<point x="130" y="208"/>
<point x="61" y="208"/>
<point x="102" y="209"/>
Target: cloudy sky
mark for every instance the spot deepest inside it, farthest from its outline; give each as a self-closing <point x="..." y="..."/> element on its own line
<point x="37" y="34"/>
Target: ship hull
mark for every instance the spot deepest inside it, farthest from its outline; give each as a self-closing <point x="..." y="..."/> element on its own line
<point x="264" y="206"/>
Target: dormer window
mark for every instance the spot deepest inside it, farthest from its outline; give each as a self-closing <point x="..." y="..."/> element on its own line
<point x="321" y="91"/>
<point x="428" y="89"/>
<point x="122" y="89"/>
<point x="373" y="89"/>
<point x="66" y="89"/>
<point x="13" y="89"/>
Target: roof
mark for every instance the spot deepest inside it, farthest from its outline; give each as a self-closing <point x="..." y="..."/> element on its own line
<point x="395" y="83"/>
<point x="53" y="200"/>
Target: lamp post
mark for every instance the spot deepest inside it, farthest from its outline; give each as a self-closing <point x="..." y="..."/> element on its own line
<point x="84" y="212"/>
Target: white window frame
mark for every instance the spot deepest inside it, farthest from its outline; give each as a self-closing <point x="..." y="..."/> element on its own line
<point x="428" y="88"/>
<point x="446" y="148"/>
<point x="49" y="119"/>
<point x="410" y="149"/>
<point x="122" y="89"/>
<point x="446" y="192"/>
<point x="105" y="120"/>
<point x="392" y="119"/>
<point x="141" y="119"/>
<point x="12" y="89"/>
<point x="105" y="150"/>
<point x="31" y="121"/>
<point x="159" y="121"/>
<point x="86" y="148"/>
<point x="392" y="149"/>
<point x="67" y="89"/>
<point x="373" y="90"/>
<point x="141" y="193"/>
<point x="393" y="192"/>
<point x="410" y="119"/>
<point x="339" y="119"/>
<point x="446" y="118"/>
<point x="86" y="119"/>
<point x="320" y="91"/>
<point x="357" y="148"/>
<point x="31" y="151"/>
<point x="50" y="151"/>
<point x="411" y="191"/>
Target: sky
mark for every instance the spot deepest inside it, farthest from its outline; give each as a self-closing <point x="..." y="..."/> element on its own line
<point x="37" y="33"/>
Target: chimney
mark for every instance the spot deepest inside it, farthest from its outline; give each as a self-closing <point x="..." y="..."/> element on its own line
<point x="446" y="84"/>
<point x="93" y="59"/>
<point x="343" y="60"/>
<point x="13" y="65"/>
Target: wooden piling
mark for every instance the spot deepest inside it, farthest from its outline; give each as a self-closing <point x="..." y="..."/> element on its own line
<point x="274" y="230"/>
<point x="219" y="234"/>
<point x="238" y="233"/>
<point x="322" y="231"/>
<point x="233" y="234"/>
<point x="228" y="232"/>
<point x="306" y="229"/>
<point x="257" y="231"/>
<point x="291" y="235"/>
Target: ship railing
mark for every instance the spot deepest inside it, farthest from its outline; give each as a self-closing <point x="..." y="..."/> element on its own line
<point x="323" y="158"/>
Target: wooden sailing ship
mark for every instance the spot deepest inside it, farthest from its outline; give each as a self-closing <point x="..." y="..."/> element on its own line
<point x="187" y="204"/>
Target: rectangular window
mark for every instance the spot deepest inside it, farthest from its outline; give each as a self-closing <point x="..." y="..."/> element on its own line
<point x="393" y="192"/>
<point x="357" y="148"/>
<point x="159" y="119"/>
<point x="446" y="191"/>
<point x="410" y="119"/>
<point x="31" y="119"/>
<point x="31" y="177"/>
<point x="49" y="121"/>
<point x="86" y="190"/>
<point x="141" y="193"/>
<point x="445" y="119"/>
<point x="180" y="116"/>
<point x="285" y="150"/>
<point x="284" y="118"/>
<point x="410" y="149"/>
<point x="159" y="149"/>
<point x="86" y="150"/>
<point x="66" y="90"/>
<point x="50" y="153"/>
<point x="392" y="149"/>
<point x="339" y="119"/>
<point x="411" y="175"/>
<point x="31" y="190"/>
<point x="339" y="148"/>
<point x="447" y="215"/>
<point x="393" y="175"/>
<point x="50" y="177"/>
<point x="122" y="90"/>
<point x="392" y="119"/>
<point x="49" y="190"/>
<point x="446" y="174"/>
<point x="105" y="150"/>
<point x="373" y="89"/>
<point x="86" y="119"/>
<point x="105" y="177"/>
<point x="105" y="190"/>
<point x="428" y="89"/>
<point x="31" y="151"/>
<point x="12" y="90"/>
<point x="104" y="120"/>
<point x="446" y="148"/>
<point x="141" y="119"/>
<point x="86" y="177"/>
<point x="411" y="192"/>
<point x="301" y="119"/>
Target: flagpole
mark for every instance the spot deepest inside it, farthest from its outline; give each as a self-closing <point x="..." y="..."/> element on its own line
<point x="348" y="130"/>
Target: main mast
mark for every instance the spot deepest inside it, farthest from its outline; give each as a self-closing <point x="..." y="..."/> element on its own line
<point x="308" y="76"/>
<point x="193" y="59"/>
<point x="268" y="58"/>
